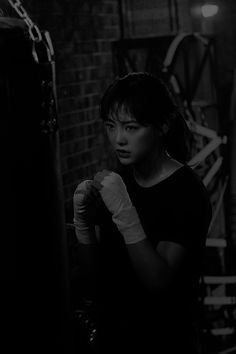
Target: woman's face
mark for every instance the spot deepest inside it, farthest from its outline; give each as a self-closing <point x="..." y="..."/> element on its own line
<point x="132" y="141"/>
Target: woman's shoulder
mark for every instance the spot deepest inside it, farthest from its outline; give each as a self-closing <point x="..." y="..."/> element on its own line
<point x="189" y="189"/>
<point x="187" y="180"/>
<point x="187" y="176"/>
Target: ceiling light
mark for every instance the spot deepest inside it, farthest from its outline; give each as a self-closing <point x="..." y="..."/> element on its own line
<point x="209" y="10"/>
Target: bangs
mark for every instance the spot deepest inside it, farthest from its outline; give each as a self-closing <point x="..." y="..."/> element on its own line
<point x="142" y="96"/>
<point x="133" y="102"/>
<point x="128" y="108"/>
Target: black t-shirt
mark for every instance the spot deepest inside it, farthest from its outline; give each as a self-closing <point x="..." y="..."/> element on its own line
<point x="176" y="209"/>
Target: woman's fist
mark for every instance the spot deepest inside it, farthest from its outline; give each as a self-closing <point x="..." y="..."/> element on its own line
<point x="113" y="191"/>
<point x="85" y="201"/>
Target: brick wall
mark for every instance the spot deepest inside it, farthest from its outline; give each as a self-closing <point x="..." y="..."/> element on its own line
<point x="82" y="32"/>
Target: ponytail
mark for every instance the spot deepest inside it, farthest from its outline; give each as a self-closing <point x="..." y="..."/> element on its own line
<point x="178" y="139"/>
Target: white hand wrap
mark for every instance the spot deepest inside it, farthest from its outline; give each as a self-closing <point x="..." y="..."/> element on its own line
<point x="117" y="200"/>
<point x="84" y="227"/>
<point x="128" y="223"/>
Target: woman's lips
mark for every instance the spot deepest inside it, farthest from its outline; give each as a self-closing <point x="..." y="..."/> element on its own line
<point x="123" y="153"/>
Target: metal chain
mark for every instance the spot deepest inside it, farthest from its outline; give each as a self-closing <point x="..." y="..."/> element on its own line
<point x="43" y="53"/>
<point x="34" y="31"/>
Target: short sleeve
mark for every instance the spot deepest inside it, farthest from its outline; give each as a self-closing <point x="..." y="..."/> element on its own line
<point x="189" y="219"/>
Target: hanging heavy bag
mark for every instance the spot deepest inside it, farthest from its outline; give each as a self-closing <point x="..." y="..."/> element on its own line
<point x="32" y="197"/>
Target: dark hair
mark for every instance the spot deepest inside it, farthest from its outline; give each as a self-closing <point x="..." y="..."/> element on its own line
<point x="149" y="100"/>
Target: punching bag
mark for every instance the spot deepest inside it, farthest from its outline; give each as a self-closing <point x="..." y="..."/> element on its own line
<point x="34" y="241"/>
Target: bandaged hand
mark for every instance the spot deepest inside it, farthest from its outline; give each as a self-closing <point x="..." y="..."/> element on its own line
<point x="116" y="198"/>
<point x="84" y="203"/>
<point x="113" y="191"/>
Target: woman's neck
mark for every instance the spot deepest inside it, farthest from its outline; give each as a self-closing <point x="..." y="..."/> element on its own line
<point x="155" y="168"/>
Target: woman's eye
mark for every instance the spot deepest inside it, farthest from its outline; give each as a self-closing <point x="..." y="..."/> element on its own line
<point x="131" y="128"/>
<point x="109" y="126"/>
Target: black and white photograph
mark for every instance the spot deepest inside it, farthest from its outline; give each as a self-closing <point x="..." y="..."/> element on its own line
<point x="118" y="167"/>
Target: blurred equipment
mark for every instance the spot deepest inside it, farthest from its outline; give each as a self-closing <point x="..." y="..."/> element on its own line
<point x="188" y="62"/>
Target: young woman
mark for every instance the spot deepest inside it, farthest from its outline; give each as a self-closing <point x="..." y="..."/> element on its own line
<point x="153" y="215"/>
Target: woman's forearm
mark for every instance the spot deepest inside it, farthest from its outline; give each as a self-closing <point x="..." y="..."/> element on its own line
<point x="153" y="271"/>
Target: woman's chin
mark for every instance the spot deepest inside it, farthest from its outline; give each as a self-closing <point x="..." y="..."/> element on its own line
<point x="125" y="161"/>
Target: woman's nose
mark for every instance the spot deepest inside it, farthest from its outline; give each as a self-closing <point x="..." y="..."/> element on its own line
<point x="120" y="136"/>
